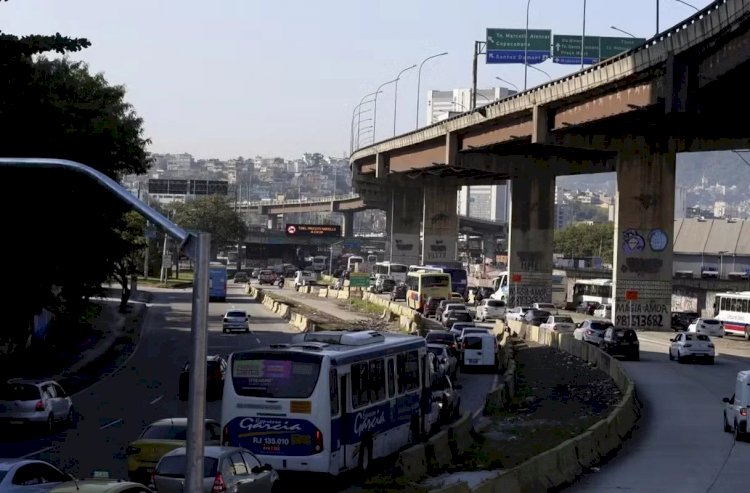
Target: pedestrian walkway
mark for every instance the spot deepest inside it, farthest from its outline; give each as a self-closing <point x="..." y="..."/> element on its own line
<point x="328" y="306"/>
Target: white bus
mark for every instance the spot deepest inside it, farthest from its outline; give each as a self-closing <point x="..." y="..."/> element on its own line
<point x="331" y="401"/>
<point x="501" y="287"/>
<point x="592" y="291"/>
<point x="354" y="260"/>
<point x="319" y="263"/>
<point x="394" y="271"/>
<point x="733" y="310"/>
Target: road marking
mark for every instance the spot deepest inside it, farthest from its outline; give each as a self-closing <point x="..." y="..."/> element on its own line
<point x="156" y="400"/>
<point x="32" y="454"/>
<point x="258" y="340"/>
<point x="117" y="421"/>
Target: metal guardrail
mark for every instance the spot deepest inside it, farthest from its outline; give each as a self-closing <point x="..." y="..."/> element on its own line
<point x="318" y="200"/>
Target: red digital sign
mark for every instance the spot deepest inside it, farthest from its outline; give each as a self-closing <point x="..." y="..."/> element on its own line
<point x="326" y="230"/>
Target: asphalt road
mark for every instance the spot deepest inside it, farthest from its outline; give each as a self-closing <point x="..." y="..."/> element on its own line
<point x="680" y="445"/>
<point x="115" y="410"/>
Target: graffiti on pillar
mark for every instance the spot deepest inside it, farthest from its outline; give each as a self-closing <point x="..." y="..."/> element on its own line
<point x="632" y="241"/>
<point x="400" y="245"/>
<point x="684" y="303"/>
<point x="643" y="315"/>
<point x="530" y="261"/>
<point x="439" y="248"/>
<point x="526" y="295"/>
<point x="648" y="200"/>
<point x="438" y="218"/>
<point x="658" y="240"/>
<point x="642" y="265"/>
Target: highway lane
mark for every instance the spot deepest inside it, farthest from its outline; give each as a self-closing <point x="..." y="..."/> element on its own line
<point x="680" y="445"/>
<point x="115" y="410"/>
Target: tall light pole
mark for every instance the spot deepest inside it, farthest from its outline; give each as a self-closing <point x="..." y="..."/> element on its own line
<point x="542" y="71"/>
<point x="375" y="112"/>
<point x="615" y="28"/>
<point x="508" y="82"/>
<point x="583" y="35"/>
<point x="657" y="17"/>
<point x="360" y="129"/>
<point x="683" y="2"/>
<point x="351" y="135"/>
<point x="526" y="48"/>
<point x="395" y="95"/>
<point x="361" y="102"/>
<point x="419" y="79"/>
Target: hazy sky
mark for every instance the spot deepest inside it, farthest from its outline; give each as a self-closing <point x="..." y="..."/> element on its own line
<point x="225" y="78"/>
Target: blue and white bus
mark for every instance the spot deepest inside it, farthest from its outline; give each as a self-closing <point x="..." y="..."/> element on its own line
<point x="331" y="401"/>
<point x="217" y="281"/>
<point x="459" y="277"/>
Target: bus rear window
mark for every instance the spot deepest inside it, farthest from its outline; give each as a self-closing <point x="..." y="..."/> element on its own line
<point x="435" y="281"/>
<point x="283" y="376"/>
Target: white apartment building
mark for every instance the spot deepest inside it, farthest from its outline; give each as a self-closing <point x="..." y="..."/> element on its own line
<point x="179" y="162"/>
<point x="488" y="202"/>
<point x="441" y="103"/>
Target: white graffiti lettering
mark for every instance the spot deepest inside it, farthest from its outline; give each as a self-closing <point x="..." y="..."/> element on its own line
<point x="367" y="421"/>
<point x="261" y="424"/>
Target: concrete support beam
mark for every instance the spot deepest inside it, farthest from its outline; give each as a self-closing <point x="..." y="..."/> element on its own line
<point x="540" y="130"/>
<point x="532" y="231"/>
<point x="381" y="166"/>
<point x="439" y="223"/>
<point x="404" y="223"/>
<point x="347" y="225"/>
<point x="644" y="226"/>
<point x="274" y="221"/>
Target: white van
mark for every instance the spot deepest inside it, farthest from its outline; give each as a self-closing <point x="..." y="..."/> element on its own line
<point x="736" y="407"/>
<point x="304" y="278"/>
<point x="479" y="350"/>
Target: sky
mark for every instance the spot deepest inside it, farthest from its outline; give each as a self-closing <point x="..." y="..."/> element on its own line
<point x="229" y="78"/>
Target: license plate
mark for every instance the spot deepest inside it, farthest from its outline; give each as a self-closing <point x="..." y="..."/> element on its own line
<point x="473" y="361"/>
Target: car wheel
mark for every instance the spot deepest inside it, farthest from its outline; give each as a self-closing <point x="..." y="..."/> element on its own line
<point x="679" y="357"/>
<point x="50" y="423"/>
<point x="671" y="358"/>
<point x="711" y="360"/>
<point x="737" y="435"/>
<point x="727" y="428"/>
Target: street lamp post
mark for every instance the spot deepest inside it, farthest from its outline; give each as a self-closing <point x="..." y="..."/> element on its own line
<point x="330" y="257"/>
<point x="615" y="28"/>
<point x="375" y="111"/>
<point x="507" y="82"/>
<point x="195" y="246"/>
<point x="361" y="102"/>
<point x="360" y="129"/>
<point x="395" y="95"/>
<point x="683" y="2"/>
<point x="657" y="17"/>
<point x="526" y="48"/>
<point x="583" y="35"/>
<point x="419" y="79"/>
<point x="355" y="115"/>
<point x="542" y="71"/>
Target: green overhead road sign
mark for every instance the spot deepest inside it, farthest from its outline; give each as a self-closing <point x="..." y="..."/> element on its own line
<point x="510" y="46"/>
<point x="609" y="47"/>
<point x="566" y="49"/>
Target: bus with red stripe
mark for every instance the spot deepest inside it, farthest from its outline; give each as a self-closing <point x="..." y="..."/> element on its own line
<point x="733" y="310"/>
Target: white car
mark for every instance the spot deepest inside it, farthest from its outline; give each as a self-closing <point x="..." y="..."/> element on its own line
<point x="603" y="311"/>
<point x="692" y="346"/>
<point x="547" y="307"/>
<point x="591" y="331"/>
<point x="304" y="278"/>
<point x="29" y="475"/>
<point x="707" y="326"/>
<point x="559" y="323"/>
<point x="517" y="312"/>
<point x="235" y="320"/>
<point x="24" y="402"/>
<point x="489" y="309"/>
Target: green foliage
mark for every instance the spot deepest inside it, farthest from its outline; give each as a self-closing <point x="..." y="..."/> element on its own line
<point x="586" y="212"/>
<point x="583" y="240"/>
<point x="212" y="214"/>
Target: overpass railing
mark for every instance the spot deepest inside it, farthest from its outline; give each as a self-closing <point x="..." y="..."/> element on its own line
<point x="317" y="200"/>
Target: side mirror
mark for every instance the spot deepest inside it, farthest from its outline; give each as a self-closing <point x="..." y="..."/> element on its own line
<point x="725" y="399"/>
<point x="267" y="467"/>
<point x="256" y="470"/>
<point x="671" y="340"/>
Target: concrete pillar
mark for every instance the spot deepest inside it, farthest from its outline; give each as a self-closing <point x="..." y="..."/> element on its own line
<point x="531" y="233"/>
<point x="490" y="247"/>
<point x="439" y="223"/>
<point x="404" y="224"/>
<point x="273" y="222"/>
<point x="347" y="225"/>
<point x="644" y="225"/>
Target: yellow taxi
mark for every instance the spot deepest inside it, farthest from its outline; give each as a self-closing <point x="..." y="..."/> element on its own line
<point x="161" y="437"/>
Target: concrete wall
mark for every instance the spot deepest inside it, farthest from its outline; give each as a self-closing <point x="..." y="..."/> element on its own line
<point x="439" y="224"/>
<point x="405" y="223"/>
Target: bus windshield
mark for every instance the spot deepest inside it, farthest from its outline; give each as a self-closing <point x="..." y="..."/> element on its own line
<point x="398" y="268"/>
<point x="282" y="376"/>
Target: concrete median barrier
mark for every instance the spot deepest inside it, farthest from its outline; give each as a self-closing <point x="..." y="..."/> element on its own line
<point x="412" y="462"/>
<point x="586" y="450"/>
<point x="459" y="487"/>
<point x="460" y="435"/>
<point x="439" y="451"/>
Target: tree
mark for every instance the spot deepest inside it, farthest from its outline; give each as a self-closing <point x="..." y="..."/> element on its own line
<point x="57" y="109"/>
<point x="584" y="240"/>
<point x="128" y="256"/>
<point x="212" y="214"/>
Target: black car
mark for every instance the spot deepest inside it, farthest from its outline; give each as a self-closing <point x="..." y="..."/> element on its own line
<point x="682" y="320"/>
<point x="536" y="317"/>
<point x="621" y="342"/>
<point x="430" y="308"/>
<point x="216" y="368"/>
<point x="399" y="292"/>
<point x="443" y="337"/>
<point x="457" y="316"/>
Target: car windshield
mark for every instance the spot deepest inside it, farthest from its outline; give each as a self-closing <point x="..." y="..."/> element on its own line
<point x="19" y="392"/>
<point x="564" y="320"/>
<point x="711" y="322"/>
<point x="446" y="337"/>
<point x="600" y="325"/>
<point x="167" y="431"/>
<point x="237" y="314"/>
<point x="495" y="303"/>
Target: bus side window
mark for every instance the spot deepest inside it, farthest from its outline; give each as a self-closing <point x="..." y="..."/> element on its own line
<point x="333" y="379"/>
<point x="377" y="380"/>
<point x="391" y="378"/>
<point x="359" y="376"/>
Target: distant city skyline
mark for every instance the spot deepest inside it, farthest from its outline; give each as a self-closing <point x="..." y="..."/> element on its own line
<point x="277" y="78"/>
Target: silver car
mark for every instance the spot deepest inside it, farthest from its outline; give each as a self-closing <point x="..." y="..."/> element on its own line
<point x="591" y="331"/>
<point x="224" y="469"/>
<point x="41" y="403"/>
<point x="235" y="320"/>
<point x="29" y="476"/>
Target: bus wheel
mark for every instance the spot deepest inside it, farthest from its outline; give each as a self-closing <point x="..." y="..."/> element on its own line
<point x="747" y="333"/>
<point x="365" y="458"/>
